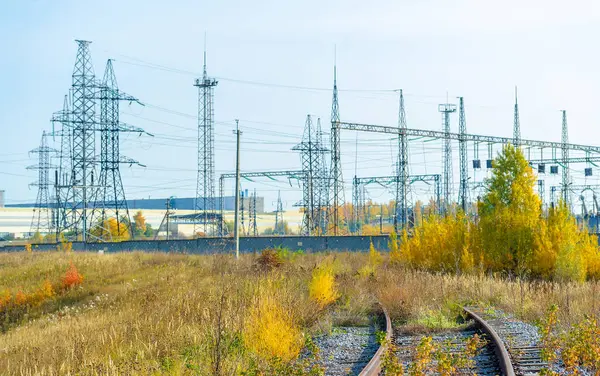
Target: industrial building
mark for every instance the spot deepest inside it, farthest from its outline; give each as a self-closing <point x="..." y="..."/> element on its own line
<point x="178" y="203"/>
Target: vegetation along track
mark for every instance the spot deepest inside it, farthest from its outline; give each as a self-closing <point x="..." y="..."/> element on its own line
<point x="493" y="359"/>
<point x="521" y="340"/>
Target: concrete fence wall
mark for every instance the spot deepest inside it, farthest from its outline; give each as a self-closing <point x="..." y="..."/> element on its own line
<point x="227" y="245"/>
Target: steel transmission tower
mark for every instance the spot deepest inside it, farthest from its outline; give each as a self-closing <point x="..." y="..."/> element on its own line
<point x="205" y="185"/>
<point x="81" y="124"/>
<point x="517" y="123"/>
<point x="43" y="220"/>
<point x="446" y="109"/>
<point x="279" y="217"/>
<point x="253" y="225"/>
<point x="310" y="153"/>
<point x="401" y="217"/>
<point x="463" y="195"/>
<point x="110" y="199"/>
<point x="322" y="181"/>
<point x="336" y="166"/>
<point x="65" y="166"/>
<point x="566" y="196"/>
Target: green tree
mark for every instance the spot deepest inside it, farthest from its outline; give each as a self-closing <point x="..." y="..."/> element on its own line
<point x="149" y="232"/>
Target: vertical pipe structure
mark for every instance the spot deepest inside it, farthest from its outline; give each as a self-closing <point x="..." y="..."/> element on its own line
<point x="236" y="229"/>
<point x="566" y="196"/>
<point x="517" y="123"/>
<point x="463" y="196"/>
<point x="336" y="165"/>
<point x="401" y="217"/>
<point x="446" y="109"/>
<point x="42" y="221"/>
<point x="205" y="184"/>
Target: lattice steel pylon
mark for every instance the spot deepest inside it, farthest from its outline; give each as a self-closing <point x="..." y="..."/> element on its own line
<point x="81" y="122"/>
<point x="110" y="201"/>
<point x="43" y="220"/>
<point x="310" y="154"/>
<point x="253" y="223"/>
<point x="65" y="165"/>
<point x="322" y="182"/>
<point x="401" y="217"/>
<point x="446" y="109"/>
<point x="279" y="217"/>
<point x="517" y="123"/>
<point x="463" y="190"/>
<point x="337" y="180"/>
<point x="205" y="185"/>
<point x="565" y="183"/>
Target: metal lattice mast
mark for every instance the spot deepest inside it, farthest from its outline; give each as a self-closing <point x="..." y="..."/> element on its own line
<point x="446" y="109"/>
<point x="110" y="201"/>
<point x="62" y="175"/>
<point x="322" y="180"/>
<point x="357" y="210"/>
<point x="337" y="200"/>
<point x="517" y="123"/>
<point x="401" y="217"/>
<point x="279" y="216"/>
<point x="82" y="122"/>
<point x="205" y="185"/>
<point x="463" y="195"/>
<point x="253" y="225"/>
<point x="242" y="222"/>
<point x="43" y="219"/>
<point x="309" y="156"/>
<point x="542" y="192"/>
<point x="566" y="196"/>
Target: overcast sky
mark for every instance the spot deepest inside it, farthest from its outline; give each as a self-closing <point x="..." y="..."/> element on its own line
<point x="433" y="50"/>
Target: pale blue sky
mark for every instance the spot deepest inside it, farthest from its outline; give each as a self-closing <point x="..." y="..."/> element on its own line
<point x="471" y="48"/>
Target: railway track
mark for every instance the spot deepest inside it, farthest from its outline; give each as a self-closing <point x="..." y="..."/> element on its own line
<point x="512" y="346"/>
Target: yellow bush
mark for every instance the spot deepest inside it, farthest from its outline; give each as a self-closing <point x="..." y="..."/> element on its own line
<point x="397" y="250"/>
<point x="375" y="259"/>
<point x="28" y="248"/>
<point x="322" y="287"/>
<point x="270" y="331"/>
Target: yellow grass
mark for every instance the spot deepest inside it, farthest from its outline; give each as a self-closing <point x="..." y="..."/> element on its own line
<point x="141" y="314"/>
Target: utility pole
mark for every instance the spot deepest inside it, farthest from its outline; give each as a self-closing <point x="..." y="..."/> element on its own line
<point x="236" y="232"/>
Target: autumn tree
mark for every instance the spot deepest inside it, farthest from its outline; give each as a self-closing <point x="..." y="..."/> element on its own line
<point x="111" y="230"/>
<point x="509" y="213"/>
<point x="139" y="227"/>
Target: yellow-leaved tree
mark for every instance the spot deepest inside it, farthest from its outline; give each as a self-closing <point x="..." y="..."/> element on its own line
<point x="509" y="214"/>
<point x="111" y="230"/>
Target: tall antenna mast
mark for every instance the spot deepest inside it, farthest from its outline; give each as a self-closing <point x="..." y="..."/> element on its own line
<point x="205" y="205"/>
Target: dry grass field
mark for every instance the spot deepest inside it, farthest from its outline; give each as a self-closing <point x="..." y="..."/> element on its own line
<point x="136" y="313"/>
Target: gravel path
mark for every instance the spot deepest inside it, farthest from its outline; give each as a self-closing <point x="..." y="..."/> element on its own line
<point x="347" y="350"/>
